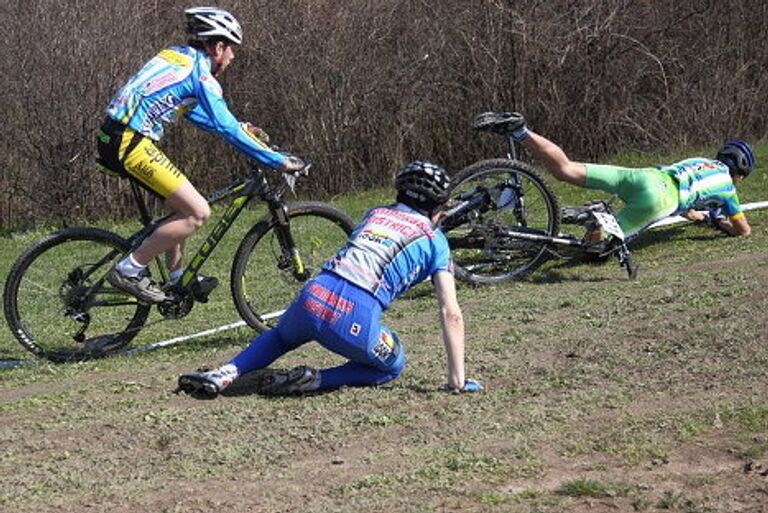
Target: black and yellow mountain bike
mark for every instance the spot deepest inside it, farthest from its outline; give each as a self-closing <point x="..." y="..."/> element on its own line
<point x="59" y="305"/>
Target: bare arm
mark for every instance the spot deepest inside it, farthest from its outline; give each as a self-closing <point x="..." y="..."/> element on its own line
<point x="736" y="226"/>
<point x="452" y="322"/>
<point x="694" y="215"/>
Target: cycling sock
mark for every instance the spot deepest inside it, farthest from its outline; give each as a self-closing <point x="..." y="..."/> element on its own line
<point x="130" y="267"/>
<point x="175" y="275"/>
<point x="520" y="134"/>
<point x="229" y="370"/>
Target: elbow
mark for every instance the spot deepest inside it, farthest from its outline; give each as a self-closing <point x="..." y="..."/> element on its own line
<point x="452" y="316"/>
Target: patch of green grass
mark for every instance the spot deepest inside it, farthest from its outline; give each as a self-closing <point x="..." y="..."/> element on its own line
<point x="584" y="370"/>
<point x="585" y="487"/>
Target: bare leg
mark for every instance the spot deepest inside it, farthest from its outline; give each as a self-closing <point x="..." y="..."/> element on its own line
<point x="555" y="160"/>
<point x="192" y="211"/>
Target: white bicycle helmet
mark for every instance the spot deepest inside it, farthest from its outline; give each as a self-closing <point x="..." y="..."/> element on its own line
<point x="206" y="23"/>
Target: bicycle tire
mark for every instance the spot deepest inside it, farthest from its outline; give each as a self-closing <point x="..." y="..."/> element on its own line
<point x="262" y="280"/>
<point x="44" y="291"/>
<point x="486" y="261"/>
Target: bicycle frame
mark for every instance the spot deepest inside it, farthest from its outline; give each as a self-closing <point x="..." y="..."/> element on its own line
<point x="243" y="191"/>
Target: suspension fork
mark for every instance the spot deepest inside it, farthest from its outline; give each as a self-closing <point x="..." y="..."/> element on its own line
<point x="290" y="253"/>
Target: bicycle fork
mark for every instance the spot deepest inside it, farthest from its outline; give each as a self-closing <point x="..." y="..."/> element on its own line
<point x="290" y="257"/>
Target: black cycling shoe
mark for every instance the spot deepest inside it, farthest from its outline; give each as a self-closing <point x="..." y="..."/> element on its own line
<point x="203" y="287"/>
<point x="499" y="122"/>
<point x="295" y="381"/>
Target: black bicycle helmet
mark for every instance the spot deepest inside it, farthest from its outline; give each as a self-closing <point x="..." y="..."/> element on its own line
<point x="738" y="156"/>
<point x="423" y="186"/>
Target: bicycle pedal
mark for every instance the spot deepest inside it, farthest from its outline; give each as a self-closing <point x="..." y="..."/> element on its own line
<point x="203" y="287"/>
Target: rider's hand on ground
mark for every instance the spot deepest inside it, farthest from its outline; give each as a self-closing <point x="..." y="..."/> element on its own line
<point x="470" y="386"/>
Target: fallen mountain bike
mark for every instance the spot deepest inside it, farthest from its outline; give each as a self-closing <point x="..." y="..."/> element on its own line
<point x="503" y="221"/>
<point x="59" y="305"/>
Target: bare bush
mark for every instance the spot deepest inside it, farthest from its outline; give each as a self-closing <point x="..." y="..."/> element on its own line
<point x="362" y="86"/>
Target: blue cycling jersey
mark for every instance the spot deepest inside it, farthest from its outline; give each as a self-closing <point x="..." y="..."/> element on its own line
<point x="178" y="80"/>
<point x="392" y="249"/>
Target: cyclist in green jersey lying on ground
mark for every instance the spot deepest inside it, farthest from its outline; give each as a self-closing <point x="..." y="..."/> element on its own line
<point x="652" y="193"/>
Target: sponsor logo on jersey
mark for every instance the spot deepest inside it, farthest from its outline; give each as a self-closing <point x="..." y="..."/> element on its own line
<point x="160" y="82"/>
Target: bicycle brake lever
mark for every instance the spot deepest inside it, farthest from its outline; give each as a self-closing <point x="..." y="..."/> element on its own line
<point x="290" y="180"/>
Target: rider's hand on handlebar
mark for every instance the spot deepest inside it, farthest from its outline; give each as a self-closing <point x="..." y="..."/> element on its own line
<point x="293" y="165"/>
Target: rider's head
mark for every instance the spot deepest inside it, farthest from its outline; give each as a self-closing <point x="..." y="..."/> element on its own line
<point x="215" y="31"/>
<point x="422" y="186"/>
<point x="739" y="158"/>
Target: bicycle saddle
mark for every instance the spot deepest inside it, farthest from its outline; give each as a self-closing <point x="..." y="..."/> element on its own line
<point x="498" y="122"/>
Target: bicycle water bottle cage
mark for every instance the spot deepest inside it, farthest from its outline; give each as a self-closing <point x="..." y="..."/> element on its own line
<point x="496" y="122"/>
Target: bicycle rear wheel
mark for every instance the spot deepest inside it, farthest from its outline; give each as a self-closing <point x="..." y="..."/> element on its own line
<point x="484" y="249"/>
<point x="57" y="303"/>
<point x="264" y="276"/>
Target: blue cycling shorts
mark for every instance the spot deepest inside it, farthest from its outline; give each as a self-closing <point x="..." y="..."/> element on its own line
<point x="344" y="319"/>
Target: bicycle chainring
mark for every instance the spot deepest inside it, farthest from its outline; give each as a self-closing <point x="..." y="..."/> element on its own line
<point x="177" y="306"/>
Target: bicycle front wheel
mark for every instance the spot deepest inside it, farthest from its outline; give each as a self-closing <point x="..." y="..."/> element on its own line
<point x="485" y="249"/>
<point x="57" y="303"/>
<point x="266" y="275"/>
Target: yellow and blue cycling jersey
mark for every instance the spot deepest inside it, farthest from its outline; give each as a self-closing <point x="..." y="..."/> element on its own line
<point x="177" y="81"/>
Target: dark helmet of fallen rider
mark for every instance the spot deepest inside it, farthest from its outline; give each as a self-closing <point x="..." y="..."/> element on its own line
<point x="738" y="156"/>
<point x="422" y="186"/>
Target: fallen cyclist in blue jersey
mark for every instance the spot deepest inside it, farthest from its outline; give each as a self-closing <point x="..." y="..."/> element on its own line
<point x="392" y="249"/>
<point x="652" y="193"/>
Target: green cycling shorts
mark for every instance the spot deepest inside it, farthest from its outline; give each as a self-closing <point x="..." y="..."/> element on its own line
<point x="648" y="193"/>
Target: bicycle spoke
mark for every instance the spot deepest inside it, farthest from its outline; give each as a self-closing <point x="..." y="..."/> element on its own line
<point x="59" y="308"/>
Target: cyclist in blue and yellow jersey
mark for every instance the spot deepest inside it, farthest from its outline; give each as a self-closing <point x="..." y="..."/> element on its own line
<point x="652" y="193"/>
<point x="178" y="81"/>
<point x="392" y="249"/>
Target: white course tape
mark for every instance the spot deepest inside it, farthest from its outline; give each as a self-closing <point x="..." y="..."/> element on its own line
<point x="184" y="338"/>
<point x="680" y="219"/>
<point x="11" y="364"/>
<point x="7" y="364"/>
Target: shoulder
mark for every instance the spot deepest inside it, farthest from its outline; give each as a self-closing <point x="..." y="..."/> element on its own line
<point x="204" y="73"/>
<point x="179" y="56"/>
